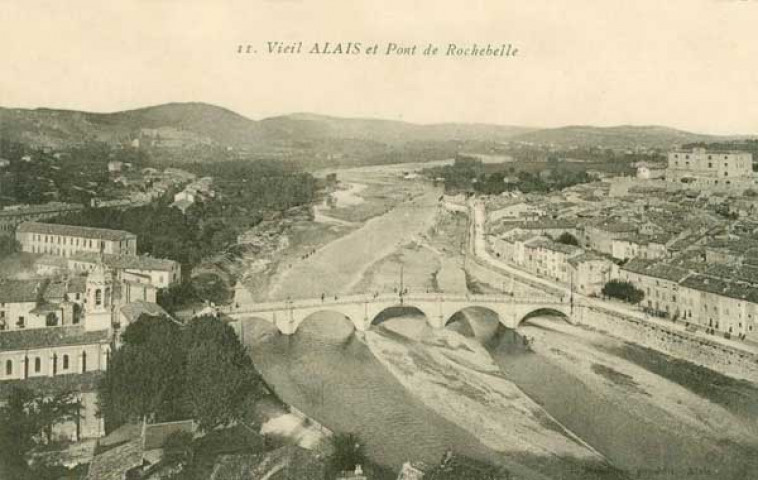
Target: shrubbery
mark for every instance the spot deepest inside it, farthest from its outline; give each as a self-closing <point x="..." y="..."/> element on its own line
<point x="625" y="291"/>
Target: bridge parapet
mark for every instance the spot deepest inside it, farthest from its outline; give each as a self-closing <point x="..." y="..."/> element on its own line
<point x="362" y="310"/>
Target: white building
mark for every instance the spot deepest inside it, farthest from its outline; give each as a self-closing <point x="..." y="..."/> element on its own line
<point x="67" y="240"/>
<point x="161" y="273"/>
<point x="705" y="168"/>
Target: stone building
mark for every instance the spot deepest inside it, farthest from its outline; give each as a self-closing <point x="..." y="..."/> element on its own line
<point x="12" y="217"/>
<point x="67" y="240"/>
<point x="162" y="273"/>
<point x="709" y="168"/>
<point x="57" y="335"/>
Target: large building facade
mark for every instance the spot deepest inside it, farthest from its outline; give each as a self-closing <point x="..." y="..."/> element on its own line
<point x="68" y="240"/>
<point x="706" y="168"/>
<point x="12" y="217"/>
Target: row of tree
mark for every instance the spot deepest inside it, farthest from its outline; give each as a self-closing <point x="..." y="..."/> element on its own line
<point x="468" y="174"/>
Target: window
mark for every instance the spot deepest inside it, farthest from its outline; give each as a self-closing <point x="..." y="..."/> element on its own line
<point x="9" y="367"/>
<point x="37" y="364"/>
<point x="98" y="297"/>
<point x="84" y="362"/>
<point x="65" y="362"/>
<point x="21" y="322"/>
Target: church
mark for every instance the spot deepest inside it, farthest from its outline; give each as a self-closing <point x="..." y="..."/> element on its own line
<point x="56" y="334"/>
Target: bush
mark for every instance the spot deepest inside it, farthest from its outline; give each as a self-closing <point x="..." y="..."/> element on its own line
<point x="347" y="452"/>
<point x="625" y="291"/>
<point x="568" y="239"/>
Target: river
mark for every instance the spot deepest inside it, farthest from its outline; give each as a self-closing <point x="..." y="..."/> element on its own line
<point x="540" y="413"/>
<point x="573" y="404"/>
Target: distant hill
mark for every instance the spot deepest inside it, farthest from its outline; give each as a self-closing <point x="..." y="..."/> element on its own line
<point x="188" y="123"/>
<point x="306" y="125"/>
<point x="181" y="127"/>
<point x="199" y="123"/>
<point x="624" y="136"/>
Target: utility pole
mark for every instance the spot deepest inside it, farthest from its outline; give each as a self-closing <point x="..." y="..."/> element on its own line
<point x="401" y="284"/>
<point x="571" y="293"/>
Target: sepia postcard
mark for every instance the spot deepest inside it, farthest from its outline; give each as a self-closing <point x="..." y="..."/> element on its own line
<point x="401" y="240"/>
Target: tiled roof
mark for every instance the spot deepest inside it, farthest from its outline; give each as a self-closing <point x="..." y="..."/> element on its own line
<point x="588" y="257"/>
<point x="157" y="433"/>
<point x="53" y="261"/>
<point x="40" y="209"/>
<point x="74" y="231"/>
<point x="656" y="269"/>
<point x="554" y="246"/>
<point x="136" y="262"/>
<point x="722" y="287"/>
<point x="617" y="227"/>
<point x="114" y="463"/>
<point x="133" y="310"/>
<point x="32" y="338"/>
<point x="70" y="382"/>
<point x="550" y="224"/>
<point x="19" y="291"/>
<point x="302" y="464"/>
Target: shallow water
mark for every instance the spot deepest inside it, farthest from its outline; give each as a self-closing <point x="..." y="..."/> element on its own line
<point x="635" y="418"/>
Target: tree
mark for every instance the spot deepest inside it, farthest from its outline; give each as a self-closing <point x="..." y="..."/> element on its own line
<point x="51" y="410"/>
<point x="145" y="376"/>
<point x="568" y="239"/>
<point x="18" y="426"/>
<point x="347" y="452"/>
<point x="167" y="372"/>
<point x="220" y="374"/>
<point x="26" y="419"/>
<point x="622" y="290"/>
<point x="8" y="245"/>
<point x="178" y="448"/>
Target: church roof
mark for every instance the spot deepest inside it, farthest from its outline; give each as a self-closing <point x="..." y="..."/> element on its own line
<point x="121" y="262"/>
<point x="80" y="383"/>
<point x="37" y="338"/>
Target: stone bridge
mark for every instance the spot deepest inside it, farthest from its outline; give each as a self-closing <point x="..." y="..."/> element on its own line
<point x="365" y="310"/>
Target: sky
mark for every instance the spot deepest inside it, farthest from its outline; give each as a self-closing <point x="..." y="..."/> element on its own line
<point x="690" y="64"/>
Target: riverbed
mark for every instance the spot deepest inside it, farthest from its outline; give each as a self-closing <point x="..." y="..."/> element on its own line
<point x="551" y="400"/>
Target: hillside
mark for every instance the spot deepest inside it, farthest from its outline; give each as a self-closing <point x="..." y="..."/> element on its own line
<point x="197" y="123"/>
<point x="624" y="136"/>
<point x="199" y="131"/>
<point x="185" y="124"/>
<point x="313" y="126"/>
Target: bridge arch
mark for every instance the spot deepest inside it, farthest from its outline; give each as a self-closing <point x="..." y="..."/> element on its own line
<point x="386" y="312"/>
<point x="309" y="318"/>
<point x="252" y="329"/>
<point x="477" y="321"/>
<point x="556" y="310"/>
